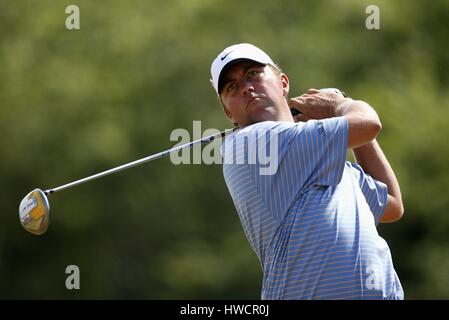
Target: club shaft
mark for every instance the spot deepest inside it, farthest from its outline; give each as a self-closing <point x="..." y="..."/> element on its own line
<point x="138" y="162"/>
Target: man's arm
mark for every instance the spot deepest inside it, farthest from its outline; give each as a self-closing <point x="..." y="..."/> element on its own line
<point x="363" y="127"/>
<point x="373" y="161"/>
<point x="363" y="122"/>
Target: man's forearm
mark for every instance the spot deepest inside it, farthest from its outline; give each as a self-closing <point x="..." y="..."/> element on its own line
<point x="373" y="161"/>
<point x="363" y="122"/>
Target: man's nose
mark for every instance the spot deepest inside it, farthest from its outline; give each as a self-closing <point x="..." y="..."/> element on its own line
<point x="247" y="87"/>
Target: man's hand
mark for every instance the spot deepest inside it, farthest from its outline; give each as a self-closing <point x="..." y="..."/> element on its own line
<point x="316" y="104"/>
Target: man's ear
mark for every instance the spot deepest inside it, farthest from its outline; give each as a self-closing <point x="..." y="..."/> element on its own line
<point x="285" y="84"/>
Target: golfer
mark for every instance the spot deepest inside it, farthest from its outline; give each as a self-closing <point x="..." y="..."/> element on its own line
<point x="312" y="219"/>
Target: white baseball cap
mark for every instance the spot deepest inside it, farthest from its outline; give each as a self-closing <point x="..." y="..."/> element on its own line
<point x="234" y="52"/>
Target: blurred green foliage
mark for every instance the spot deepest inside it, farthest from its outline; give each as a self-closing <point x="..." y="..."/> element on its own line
<point x="73" y="103"/>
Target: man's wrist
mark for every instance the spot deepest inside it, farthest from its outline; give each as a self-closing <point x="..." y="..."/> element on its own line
<point x="343" y="107"/>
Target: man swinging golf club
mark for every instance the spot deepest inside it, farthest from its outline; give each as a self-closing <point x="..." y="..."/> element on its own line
<point x="312" y="222"/>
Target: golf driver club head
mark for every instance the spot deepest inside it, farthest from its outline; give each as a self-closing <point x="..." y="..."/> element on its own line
<point x="34" y="212"/>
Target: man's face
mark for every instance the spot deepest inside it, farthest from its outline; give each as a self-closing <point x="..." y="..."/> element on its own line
<point x="253" y="92"/>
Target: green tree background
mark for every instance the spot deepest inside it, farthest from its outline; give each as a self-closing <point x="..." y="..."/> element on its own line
<point x="73" y="103"/>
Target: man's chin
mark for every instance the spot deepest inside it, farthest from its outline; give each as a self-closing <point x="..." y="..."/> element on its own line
<point x="264" y="114"/>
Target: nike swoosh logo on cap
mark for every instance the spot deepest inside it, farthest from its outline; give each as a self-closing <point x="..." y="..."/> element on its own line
<point x="224" y="57"/>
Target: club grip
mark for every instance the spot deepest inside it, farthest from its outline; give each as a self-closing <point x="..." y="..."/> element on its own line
<point x="295" y="112"/>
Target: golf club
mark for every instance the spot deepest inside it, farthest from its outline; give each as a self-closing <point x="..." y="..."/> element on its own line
<point x="34" y="209"/>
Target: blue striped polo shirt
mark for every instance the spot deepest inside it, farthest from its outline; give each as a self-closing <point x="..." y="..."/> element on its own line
<point x="309" y="215"/>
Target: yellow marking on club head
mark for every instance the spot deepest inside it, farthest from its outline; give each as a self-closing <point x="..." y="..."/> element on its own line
<point x="38" y="211"/>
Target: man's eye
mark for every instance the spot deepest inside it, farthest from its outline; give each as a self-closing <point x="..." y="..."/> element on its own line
<point x="230" y="86"/>
<point x="252" y="73"/>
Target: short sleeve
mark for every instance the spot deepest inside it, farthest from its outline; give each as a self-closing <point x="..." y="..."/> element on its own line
<point x="375" y="191"/>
